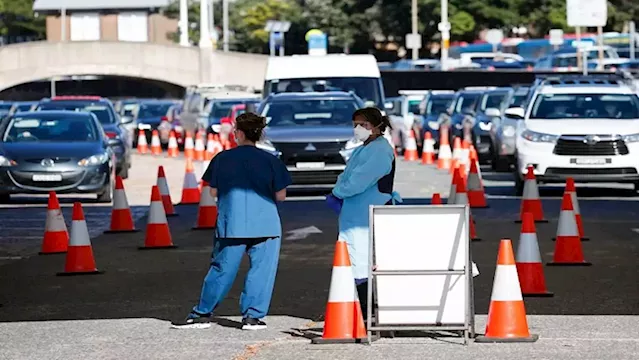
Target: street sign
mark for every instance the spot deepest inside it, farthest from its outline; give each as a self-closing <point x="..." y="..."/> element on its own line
<point x="277" y="26"/>
<point x="413" y="41"/>
<point x="317" y="44"/>
<point x="494" y="36"/>
<point x="586" y="13"/>
<point x="556" y="37"/>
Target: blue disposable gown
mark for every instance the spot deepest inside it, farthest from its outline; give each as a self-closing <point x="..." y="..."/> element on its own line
<point x="358" y="187"/>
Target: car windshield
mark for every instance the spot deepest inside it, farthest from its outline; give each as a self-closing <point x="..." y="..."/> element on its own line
<point x="493" y="100"/>
<point x="437" y="105"/>
<point x="309" y="112"/>
<point x="466" y="103"/>
<point x="368" y="89"/>
<point x="414" y="106"/>
<point x="220" y="109"/>
<point x="517" y="100"/>
<point x="51" y="129"/>
<point x="153" y="110"/>
<point x="5" y="107"/>
<point x="565" y="61"/>
<point x="601" y="106"/>
<point x="101" y="111"/>
<point x="23" y="107"/>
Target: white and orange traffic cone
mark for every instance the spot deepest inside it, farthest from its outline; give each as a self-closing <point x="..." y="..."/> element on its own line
<point x="528" y="261"/>
<point x="507" y="319"/>
<point x="477" y="197"/>
<point x="451" y="199"/>
<point x="568" y="249"/>
<point x="190" y="190"/>
<point x="457" y="151"/>
<point x="198" y="154"/>
<point x="121" y="218"/>
<point x="172" y="146"/>
<point x="79" y="259"/>
<point x="343" y="320"/>
<point x="411" y="148"/>
<point x="436" y="199"/>
<point x="571" y="189"/>
<point x="156" y="147"/>
<point x="165" y="194"/>
<point x="444" y="150"/>
<point x="531" y="202"/>
<point x="142" y="147"/>
<point x="211" y="148"/>
<point x="473" y="157"/>
<point x="428" y="152"/>
<point x="463" y="199"/>
<point x="188" y="146"/>
<point x="465" y="153"/>
<point x="56" y="236"/>
<point x="158" y="235"/>
<point x="207" y="209"/>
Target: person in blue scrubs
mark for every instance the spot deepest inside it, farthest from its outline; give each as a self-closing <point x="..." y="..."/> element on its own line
<point x="248" y="183"/>
<point x="367" y="180"/>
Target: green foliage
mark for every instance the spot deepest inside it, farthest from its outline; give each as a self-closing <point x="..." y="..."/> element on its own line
<point x="17" y="19"/>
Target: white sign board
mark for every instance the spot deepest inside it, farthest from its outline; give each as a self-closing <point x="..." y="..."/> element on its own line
<point x="422" y="278"/>
<point x="587" y="13"/>
<point x="494" y="36"/>
<point x="413" y="41"/>
<point x="556" y="37"/>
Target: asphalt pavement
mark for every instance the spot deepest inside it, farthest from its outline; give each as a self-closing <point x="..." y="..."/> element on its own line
<point x="124" y="312"/>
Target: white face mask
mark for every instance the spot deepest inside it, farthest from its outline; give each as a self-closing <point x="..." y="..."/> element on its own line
<point x="361" y="133"/>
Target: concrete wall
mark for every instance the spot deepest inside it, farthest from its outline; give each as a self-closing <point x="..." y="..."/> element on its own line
<point x="184" y="66"/>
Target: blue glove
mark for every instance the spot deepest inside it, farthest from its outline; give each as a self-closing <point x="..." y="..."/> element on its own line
<point x="334" y="203"/>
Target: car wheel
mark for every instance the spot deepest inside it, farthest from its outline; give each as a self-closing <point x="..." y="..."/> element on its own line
<point x="5" y="198"/>
<point x="124" y="172"/>
<point x="106" y="196"/>
<point x="501" y="165"/>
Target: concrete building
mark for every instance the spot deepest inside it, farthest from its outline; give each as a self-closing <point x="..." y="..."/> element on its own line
<point x="106" y="20"/>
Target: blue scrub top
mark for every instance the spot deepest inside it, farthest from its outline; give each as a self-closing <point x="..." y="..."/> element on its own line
<point x="247" y="180"/>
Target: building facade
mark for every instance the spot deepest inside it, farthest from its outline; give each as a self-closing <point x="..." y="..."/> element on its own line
<point x="106" y="20"/>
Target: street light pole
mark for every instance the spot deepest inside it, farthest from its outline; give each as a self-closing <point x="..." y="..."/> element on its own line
<point x="414" y="26"/>
<point x="225" y="25"/>
<point x="184" y="23"/>
<point x="444" y="20"/>
<point x="205" y="36"/>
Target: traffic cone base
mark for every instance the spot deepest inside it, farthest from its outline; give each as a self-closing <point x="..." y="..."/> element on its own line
<point x="540" y="221"/>
<point x="157" y="235"/>
<point x="121" y="218"/>
<point x="503" y="312"/>
<point x="56" y="242"/>
<point x="80" y="258"/>
<point x="207" y="217"/>
<point x="56" y="236"/>
<point x="153" y="237"/>
<point x="581" y="239"/>
<point x="534" y="274"/>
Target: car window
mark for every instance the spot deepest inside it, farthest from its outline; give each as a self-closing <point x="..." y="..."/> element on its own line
<point x="153" y="110"/>
<point x="565" y="61"/>
<point x="437" y="105"/>
<point x="414" y="106"/>
<point x="51" y="129"/>
<point x="102" y="112"/>
<point x="220" y="109"/>
<point x="466" y="103"/>
<point x="309" y="112"/>
<point x="608" y="106"/>
<point x="493" y="100"/>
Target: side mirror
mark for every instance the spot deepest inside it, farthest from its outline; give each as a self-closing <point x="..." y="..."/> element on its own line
<point x="492" y="112"/>
<point x="388" y="105"/>
<point x="126" y="120"/>
<point x="515" y="112"/>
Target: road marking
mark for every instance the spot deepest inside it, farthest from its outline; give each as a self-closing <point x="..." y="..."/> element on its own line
<point x="302" y="233"/>
<point x="634" y="230"/>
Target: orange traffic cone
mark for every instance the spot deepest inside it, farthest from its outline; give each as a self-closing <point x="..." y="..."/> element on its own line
<point x="188" y="146"/>
<point x="457" y="150"/>
<point x="571" y="189"/>
<point x="164" y="193"/>
<point x="156" y="148"/>
<point x="473" y="157"/>
<point x="463" y="199"/>
<point x="436" y="199"/>
<point x="444" y="150"/>
<point x="568" y="251"/>
<point x="451" y="199"/>
<point x="142" y="143"/>
<point x="172" y="147"/>
<point x="158" y="235"/>
<point x="428" y="151"/>
<point x="477" y="198"/>
<point x="80" y="259"/>
<point x="56" y="236"/>
<point x="121" y="219"/>
<point x="528" y="261"/>
<point x="190" y="191"/>
<point x="198" y="154"/>
<point x="531" y="199"/>
<point x="507" y="319"/>
<point x="207" y="210"/>
<point x="343" y="320"/>
<point x="465" y="153"/>
<point x="411" y="148"/>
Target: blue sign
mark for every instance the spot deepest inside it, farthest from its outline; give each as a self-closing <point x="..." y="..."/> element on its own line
<point x="276" y="39"/>
<point x="317" y="44"/>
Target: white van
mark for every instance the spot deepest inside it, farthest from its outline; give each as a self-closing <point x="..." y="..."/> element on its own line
<point x="334" y="72"/>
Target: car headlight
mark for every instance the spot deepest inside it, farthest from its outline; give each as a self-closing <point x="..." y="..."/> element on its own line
<point x="94" y="160"/>
<point x="539" y="137"/>
<point x="434" y="125"/>
<point x="352" y="144"/>
<point x="509" y="131"/>
<point x="484" y="126"/>
<point x="4" y="161"/>
<point x="216" y="127"/>
<point x="631" y="138"/>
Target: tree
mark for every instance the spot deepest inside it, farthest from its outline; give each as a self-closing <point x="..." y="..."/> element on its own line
<point x="17" y="19"/>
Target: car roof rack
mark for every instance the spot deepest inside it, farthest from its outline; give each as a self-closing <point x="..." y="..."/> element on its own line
<point x="579" y="79"/>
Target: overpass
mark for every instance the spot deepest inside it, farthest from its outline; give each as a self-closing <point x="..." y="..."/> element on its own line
<point x="183" y="66"/>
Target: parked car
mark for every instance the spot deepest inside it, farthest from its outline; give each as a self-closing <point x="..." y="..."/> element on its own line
<point x="149" y="114"/>
<point x="432" y="106"/>
<point x="480" y="122"/>
<point x="405" y="116"/>
<point x="462" y="108"/>
<point x="61" y="151"/>
<point x="169" y="122"/>
<point x="120" y="139"/>
<point x="503" y="131"/>
<point x="22" y="106"/>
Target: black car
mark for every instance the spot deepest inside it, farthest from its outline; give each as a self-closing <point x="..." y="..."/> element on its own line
<point x="485" y="115"/>
<point x="461" y="111"/>
<point x="115" y="127"/>
<point x="312" y="133"/>
<point x="434" y="104"/>
<point x="61" y="151"/>
<point x="149" y="115"/>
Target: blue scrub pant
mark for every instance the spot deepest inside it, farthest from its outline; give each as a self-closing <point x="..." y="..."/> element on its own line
<point x="258" y="286"/>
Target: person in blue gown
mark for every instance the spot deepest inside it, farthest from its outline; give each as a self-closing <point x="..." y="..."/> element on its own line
<point x="367" y="180"/>
<point x="248" y="183"/>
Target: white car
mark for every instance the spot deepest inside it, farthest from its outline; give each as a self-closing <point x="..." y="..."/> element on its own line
<point x="580" y="127"/>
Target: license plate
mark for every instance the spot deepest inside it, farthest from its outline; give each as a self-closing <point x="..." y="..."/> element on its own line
<point x="596" y="161"/>
<point x="144" y="126"/>
<point x="47" y="177"/>
<point x="310" y="165"/>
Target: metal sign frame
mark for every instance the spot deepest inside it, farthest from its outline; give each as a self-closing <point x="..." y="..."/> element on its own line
<point x="467" y="327"/>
